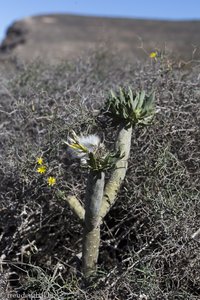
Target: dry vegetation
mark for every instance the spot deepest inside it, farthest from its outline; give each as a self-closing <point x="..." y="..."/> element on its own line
<point x="146" y="250"/>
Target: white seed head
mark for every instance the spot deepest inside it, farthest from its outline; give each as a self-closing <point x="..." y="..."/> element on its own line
<point x="90" y="142"/>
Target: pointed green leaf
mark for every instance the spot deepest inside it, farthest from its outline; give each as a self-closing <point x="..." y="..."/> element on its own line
<point x="141" y="100"/>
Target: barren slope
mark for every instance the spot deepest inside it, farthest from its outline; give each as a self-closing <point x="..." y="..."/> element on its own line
<point x="66" y="36"/>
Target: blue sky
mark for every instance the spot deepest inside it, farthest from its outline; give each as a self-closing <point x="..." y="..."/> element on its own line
<point x="11" y="10"/>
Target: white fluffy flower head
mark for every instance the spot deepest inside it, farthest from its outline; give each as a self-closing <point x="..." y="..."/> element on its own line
<point x="81" y="146"/>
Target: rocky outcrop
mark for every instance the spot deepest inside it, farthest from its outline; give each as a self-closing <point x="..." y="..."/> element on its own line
<point x="15" y="35"/>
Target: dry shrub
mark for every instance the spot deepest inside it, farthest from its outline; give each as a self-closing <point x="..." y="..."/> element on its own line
<point x="146" y="243"/>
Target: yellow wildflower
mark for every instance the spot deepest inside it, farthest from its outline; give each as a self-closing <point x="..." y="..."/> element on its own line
<point x="153" y="54"/>
<point x="51" y="181"/>
<point x="40" y="160"/>
<point x="42" y="169"/>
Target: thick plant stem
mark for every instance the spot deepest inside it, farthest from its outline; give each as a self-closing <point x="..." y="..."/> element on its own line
<point x="74" y="205"/>
<point x="91" y="243"/>
<point x="196" y="235"/>
<point x="123" y="143"/>
<point x="91" y="232"/>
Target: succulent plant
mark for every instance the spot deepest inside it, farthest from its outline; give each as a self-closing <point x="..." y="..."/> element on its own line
<point x="131" y="108"/>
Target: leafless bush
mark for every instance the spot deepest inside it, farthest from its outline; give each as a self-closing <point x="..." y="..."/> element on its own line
<point x="146" y="245"/>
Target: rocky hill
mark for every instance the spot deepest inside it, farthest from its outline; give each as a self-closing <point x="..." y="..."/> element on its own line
<point x="66" y="36"/>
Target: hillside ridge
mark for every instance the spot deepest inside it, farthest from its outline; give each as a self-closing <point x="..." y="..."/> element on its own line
<point x="66" y="36"/>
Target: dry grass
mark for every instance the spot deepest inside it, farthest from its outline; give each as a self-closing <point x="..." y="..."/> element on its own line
<point x="146" y="245"/>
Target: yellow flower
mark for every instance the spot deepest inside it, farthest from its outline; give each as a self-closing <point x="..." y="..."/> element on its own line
<point x="51" y="181"/>
<point x="42" y="169"/>
<point x="153" y="54"/>
<point x="40" y="160"/>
